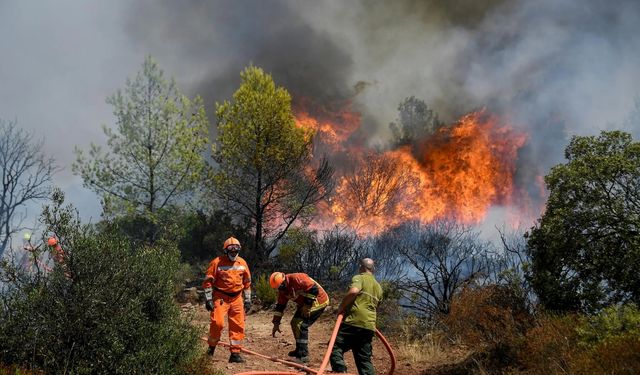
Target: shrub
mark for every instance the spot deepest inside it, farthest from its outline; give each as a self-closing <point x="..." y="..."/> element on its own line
<point x="609" y="342"/>
<point x="390" y="316"/>
<point x="617" y="355"/>
<point x="611" y="323"/>
<point x="549" y="346"/>
<point x="265" y="293"/>
<point x="488" y="320"/>
<point x="574" y="344"/>
<point x="487" y="317"/>
<point x="108" y="310"/>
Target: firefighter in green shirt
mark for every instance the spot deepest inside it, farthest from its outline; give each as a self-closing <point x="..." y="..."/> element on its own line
<point x="359" y="324"/>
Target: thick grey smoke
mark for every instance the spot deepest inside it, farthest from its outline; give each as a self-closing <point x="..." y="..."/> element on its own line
<point x="554" y="68"/>
<point x="220" y="38"/>
<point x="546" y="64"/>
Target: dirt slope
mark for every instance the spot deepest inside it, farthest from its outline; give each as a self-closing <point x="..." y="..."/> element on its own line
<point x="258" y="339"/>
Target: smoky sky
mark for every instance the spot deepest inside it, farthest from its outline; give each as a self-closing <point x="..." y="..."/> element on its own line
<point x="533" y="61"/>
<point x="553" y="68"/>
<point x="232" y="35"/>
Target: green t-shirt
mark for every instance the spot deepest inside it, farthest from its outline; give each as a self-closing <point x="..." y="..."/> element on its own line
<point x="363" y="311"/>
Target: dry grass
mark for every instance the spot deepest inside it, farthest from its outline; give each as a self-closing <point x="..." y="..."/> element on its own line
<point x="431" y="349"/>
<point x="418" y="344"/>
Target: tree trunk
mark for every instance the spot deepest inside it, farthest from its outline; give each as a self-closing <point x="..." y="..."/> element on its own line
<point x="258" y="246"/>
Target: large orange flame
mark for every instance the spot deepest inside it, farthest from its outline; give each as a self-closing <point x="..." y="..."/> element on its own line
<point x="333" y="128"/>
<point x="458" y="172"/>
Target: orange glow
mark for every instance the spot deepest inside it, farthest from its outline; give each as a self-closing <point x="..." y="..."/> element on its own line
<point x="458" y="172"/>
<point x="332" y="129"/>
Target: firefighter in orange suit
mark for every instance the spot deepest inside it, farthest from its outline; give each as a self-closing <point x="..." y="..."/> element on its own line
<point x="227" y="281"/>
<point x="311" y="300"/>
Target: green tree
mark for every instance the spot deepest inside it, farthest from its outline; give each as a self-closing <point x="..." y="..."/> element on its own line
<point x="157" y="148"/>
<point x="265" y="173"/>
<point x="585" y="249"/>
<point x="416" y="121"/>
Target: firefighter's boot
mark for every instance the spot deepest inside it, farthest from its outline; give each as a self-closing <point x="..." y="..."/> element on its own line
<point x="236" y="358"/>
<point x="211" y="350"/>
<point x="301" y="353"/>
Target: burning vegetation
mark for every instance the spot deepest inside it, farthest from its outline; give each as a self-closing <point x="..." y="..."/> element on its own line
<point x="456" y="171"/>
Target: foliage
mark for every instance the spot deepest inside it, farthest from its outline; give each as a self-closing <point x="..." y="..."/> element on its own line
<point x="157" y="149"/>
<point x="511" y="267"/>
<point x="15" y="370"/>
<point x="330" y="258"/>
<point x="265" y="293"/>
<point x="616" y="356"/>
<point x="26" y="176"/>
<point x="487" y="317"/>
<point x="416" y="121"/>
<point x="292" y="248"/>
<point x="107" y="308"/>
<point x="548" y="346"/>
<point x="264" y="170"/>
<point x="203" y="234"/>
<point x="507" y="339"/>
<point x="390" y="316"/>
<point x="440" y="258"/>
<point x="575" y="344"/>
<point x="611" y="323"/>
<point x="199" y="235"/>
<point x="586" y="247"/>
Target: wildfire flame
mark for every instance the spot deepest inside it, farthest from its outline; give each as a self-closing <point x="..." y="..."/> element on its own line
<point x="333" y="128"/>
<point x="458" y="172"/>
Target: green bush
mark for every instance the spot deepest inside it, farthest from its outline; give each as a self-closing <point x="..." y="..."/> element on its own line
<point x="610" y="324"/>
<point x="108" y="310"/>
<point x="265" y="293"/>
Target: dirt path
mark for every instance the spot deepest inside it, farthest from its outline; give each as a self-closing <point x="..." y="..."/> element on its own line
<point x="258" y="339"/>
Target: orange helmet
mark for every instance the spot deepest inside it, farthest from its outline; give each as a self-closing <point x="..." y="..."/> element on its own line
<point x="230" y="241"/>
<point x="276" y="279"/>
<point x="52" y="241"/>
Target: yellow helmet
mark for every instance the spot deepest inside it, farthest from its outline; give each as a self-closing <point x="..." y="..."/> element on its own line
<point x="276" y="279"/>
<point x="230" y="241"/>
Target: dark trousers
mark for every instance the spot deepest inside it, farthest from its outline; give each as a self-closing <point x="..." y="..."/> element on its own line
<point x="300" y="327"/>
<point x="359" y="341"/>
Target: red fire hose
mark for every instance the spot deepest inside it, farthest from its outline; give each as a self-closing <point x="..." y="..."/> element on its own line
<point x="325" y="360"/>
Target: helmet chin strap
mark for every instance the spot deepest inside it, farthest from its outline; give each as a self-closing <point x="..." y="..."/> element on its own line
<point x="232" y="258"/>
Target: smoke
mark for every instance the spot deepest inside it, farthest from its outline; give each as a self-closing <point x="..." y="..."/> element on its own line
<point x="219" y="38"/>
<point x="536" y="61"/>
<point x="554" y="68"/>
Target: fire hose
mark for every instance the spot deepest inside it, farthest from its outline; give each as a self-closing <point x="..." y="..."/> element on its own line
<point x="325" y="360"/>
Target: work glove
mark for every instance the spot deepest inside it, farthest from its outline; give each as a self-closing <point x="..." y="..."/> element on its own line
<point x="208" y="296"/>
<point x="247" y="305"/>
<point x="276" y="328"/>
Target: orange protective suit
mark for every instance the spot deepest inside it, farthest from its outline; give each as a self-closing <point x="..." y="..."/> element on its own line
<point x="311" y="300"/>
<point x="228" y="279"/>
